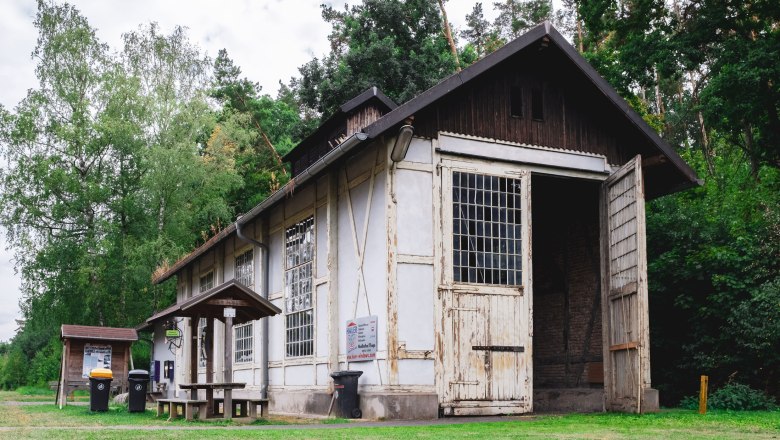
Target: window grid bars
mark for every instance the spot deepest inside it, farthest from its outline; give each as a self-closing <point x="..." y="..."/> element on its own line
<point x="243" y="343"/>
<point x="299" y="256"/>
<point x="245" y="268"/>
<point x="206" y="281"/>
<point x="487" y="229"/>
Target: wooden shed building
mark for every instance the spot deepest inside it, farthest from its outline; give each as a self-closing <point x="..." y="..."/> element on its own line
<point x="479" y="249"/>
<point x="86" y="347"/>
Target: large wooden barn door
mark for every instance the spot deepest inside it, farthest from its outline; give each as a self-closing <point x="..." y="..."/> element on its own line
<point x="485" y="296"/>
<point x="624" y="289"/>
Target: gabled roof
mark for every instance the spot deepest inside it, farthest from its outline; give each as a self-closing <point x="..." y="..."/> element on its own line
<point x="69" y="331"/>
<point x="542" y="33"/>
<point x="547" y="33"/>
<point x="370" y="95"/>
<point x="209" y="304"/>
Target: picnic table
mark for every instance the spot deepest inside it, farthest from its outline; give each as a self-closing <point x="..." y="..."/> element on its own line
<point x="226" y="387"/>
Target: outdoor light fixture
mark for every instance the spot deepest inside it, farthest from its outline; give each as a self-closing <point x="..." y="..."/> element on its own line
<point x="402" y="143"/>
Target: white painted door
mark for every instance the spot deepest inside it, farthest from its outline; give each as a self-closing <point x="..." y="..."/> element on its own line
<point x="624" y="289"/>
<point x="485" y="293"/>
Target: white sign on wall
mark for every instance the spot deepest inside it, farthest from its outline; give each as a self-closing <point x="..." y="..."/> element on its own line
<point x="95" y="356"/>
<point x="361" y="339"/>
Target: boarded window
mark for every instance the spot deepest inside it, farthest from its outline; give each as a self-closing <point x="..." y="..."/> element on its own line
<point x="516" y="101"/>
<point x="245" y="268"/>
<point x="243" y="345"/>
<point x="487" y="229"/>
<point x="537" y="104"/>
<point x="299" y="257"/>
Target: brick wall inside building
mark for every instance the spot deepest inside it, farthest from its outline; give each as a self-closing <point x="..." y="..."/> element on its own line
<point x="567" y="314"/>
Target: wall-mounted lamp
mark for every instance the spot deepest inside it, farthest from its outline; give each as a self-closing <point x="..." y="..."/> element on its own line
<point x="402" y="143"/>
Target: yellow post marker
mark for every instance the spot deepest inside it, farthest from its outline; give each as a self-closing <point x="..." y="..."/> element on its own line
<point x="703" y="395"/>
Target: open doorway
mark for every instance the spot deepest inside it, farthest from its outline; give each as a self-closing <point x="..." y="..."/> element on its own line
<point x="567" y="342"/>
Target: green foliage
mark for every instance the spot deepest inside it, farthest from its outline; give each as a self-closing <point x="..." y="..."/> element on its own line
<point x="34" y="391"/>
<point x="734" y="397"/>
<point x="713" y="279"/>
<point x="142" y="354"/>
<point x="14" y="371"/>
<point x="398" y="46"/>
<point x="515" y="17"/>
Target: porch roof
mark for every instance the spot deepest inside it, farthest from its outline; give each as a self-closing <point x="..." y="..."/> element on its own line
<point x="210" y="304"/>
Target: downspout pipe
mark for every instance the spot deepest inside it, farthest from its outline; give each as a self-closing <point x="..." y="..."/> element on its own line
<point x="264" y="293"/>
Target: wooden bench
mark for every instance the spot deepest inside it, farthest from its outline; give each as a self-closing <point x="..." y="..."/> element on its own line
<point x="243" y="407"/>
<point x="187" y="406"/>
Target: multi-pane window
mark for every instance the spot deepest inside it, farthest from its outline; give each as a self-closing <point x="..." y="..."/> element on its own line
<point x="299" y="257"/>
<point x="243" y="343"/>
<point x="487" y="229"/>
<point x="206" y="281"/>
<point x="245" y="268"/>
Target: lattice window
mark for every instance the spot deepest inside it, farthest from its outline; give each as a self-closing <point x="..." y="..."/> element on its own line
<point x="206" y="281"/>
<point x="243" y="345"/>
<point x="487" y="229"/>
<point x="298" y="282"/>
<point x="245" y="268"/>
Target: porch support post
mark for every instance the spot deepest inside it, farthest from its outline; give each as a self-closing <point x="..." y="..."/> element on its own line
<point x="194" y="352"/>
<point x="228" y="402"/>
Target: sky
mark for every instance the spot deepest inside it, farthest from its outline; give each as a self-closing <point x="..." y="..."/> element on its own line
<point x="268" y="39"/>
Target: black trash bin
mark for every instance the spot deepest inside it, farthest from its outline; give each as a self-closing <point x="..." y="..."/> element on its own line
<point x="138" y="381"/>
<point x="346" y="386"/>
<point x="99" y="388"/>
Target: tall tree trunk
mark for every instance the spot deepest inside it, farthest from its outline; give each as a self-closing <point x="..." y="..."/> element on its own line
<point x="579" y="26"/>
<point x="705" y="143"/>
<point x="659" y="103"/>
<point x="266" y="140"/>
<point x="448" y="35"/>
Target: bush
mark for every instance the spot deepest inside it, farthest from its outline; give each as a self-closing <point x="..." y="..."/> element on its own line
<point x="735" y="397"/>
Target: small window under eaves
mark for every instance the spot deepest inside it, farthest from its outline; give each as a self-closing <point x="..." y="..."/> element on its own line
<point x="516" y="101"/>
<point x="537" y="104"/>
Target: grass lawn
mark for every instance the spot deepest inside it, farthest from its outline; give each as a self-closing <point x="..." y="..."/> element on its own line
<point x="77" y="422"/>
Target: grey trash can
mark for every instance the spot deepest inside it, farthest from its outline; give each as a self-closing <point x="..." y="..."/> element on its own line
<point x="346" y="386"/>
<point x="138" y="381"/>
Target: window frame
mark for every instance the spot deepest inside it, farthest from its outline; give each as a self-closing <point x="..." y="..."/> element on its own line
<point x="487" y="227"/>
<point x="238" y="254"/>
<point x="248" y="329"/>
<point x="203" y="275"/>
<point x="299" y="324"/>
<point x="451" y="164"/>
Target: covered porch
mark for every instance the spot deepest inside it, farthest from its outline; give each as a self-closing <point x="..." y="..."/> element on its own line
<point x="231" y="303"/>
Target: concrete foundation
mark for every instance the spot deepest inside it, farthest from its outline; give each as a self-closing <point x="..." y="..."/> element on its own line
<point x="569" y="400"/>
<point x="650" y="400"/>
<point x="299" y="402"/>
<point x="387" y="406"/>
<point x="405" y="406"/>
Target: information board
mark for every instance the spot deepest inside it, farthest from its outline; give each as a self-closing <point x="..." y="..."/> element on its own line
<point x="361" y="339"/>
<point x="95" y="356"/>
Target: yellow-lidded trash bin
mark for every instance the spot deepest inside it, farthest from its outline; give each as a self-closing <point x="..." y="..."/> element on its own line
<point x="99" y="388"/>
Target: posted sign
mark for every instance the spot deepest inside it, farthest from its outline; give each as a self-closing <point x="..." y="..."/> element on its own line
<point x="361" y="339"/>
<point x="95" y="356"/>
